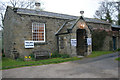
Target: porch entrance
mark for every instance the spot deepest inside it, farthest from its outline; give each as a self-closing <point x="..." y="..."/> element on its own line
<point x="81" y="47"/>
<point x="114" y="43"/>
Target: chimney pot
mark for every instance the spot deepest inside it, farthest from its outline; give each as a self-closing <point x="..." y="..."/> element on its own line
<point x="37" y="4"/>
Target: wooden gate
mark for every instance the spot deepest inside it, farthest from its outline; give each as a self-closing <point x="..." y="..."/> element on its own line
<point x="81" y="42"/>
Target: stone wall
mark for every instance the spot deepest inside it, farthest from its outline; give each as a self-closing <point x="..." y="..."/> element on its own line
<point x="18" y="28"/>
<point x="98" y="25"/>
<point x="8" y="32"/>
<point x="66" y="41"/>
<point x="102" y="40"/>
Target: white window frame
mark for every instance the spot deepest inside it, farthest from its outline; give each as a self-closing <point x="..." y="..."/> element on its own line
<point x="32" y="32"/>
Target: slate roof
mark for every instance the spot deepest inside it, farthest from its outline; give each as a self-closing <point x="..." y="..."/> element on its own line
<point x="64" y="28"/>
<point x="44" y="13"/>
<point x="68" y="26"/>
<point x="54" y="15"/>
<point x="115" y="26"/>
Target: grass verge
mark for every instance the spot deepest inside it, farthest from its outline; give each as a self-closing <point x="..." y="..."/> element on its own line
<point x="99" y="53"/>
<point x="0" y="43"/>
<point x="8" y="63"/>
<point x="118" y="59"/>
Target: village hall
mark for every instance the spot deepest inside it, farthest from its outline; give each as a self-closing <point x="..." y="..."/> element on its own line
<point x="40" y="32"/>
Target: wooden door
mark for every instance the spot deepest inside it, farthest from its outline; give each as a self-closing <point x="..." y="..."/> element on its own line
<point x="81" y="42"/>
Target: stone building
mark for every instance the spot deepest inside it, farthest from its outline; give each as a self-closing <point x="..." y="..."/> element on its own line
<point x="49" y="32"/>
<point x="116" y="36"/>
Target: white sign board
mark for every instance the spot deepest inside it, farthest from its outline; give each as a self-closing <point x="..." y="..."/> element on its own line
<point x="89" y="41"/>
<point x="29" y="44"/>
<point x="73" y="42"/>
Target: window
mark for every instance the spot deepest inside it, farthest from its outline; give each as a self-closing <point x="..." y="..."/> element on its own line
<point x="38" y="32"/>
<point x="62" y="42"/>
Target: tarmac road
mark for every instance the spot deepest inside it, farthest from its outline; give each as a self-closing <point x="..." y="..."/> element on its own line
<point x="101" y="67"/>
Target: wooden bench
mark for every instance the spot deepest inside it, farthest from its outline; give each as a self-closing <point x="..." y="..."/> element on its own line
<point x="41" y="53"/>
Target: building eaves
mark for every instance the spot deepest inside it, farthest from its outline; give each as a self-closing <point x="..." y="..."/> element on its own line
<point x="55" y="15"/>
<point x="60" y="28"/>
<point x="115" y="26"/>
<point x="44" y="13"/>
<point x="96" y="21"/>
<point x="64" y="27"/>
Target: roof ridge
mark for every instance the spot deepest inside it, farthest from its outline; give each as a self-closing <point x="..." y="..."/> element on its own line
<point x="55" y="15"/>
<point x="43" y="11"/>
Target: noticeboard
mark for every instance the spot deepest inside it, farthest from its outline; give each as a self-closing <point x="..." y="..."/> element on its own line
<point x="29" y="44"/>
<point x="89" y="41"/>
<point x="73" y="42"/>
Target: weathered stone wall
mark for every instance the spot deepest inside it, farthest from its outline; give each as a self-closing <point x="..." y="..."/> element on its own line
<point x="8" y="38"/>
<point x="66" y="41"/>
<point x="98" y="25"/>
<point x="18" y="28"/>
<point x="102" y="40"/>
<point x="65" y="45"/>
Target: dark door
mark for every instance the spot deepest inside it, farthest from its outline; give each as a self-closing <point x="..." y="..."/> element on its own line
<point x="114" y="43"/>
<point x="81" y="42"/>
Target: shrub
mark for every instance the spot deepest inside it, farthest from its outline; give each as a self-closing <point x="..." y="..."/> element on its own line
<point x="32" y="56"/>
<point x="118" y="49"/>
<point x="65" y="55"/>
<point x="56" y="55"/>
<point x="98" y="38"/>
<point x="19" y="59"/>
<point x="3" y="55"/>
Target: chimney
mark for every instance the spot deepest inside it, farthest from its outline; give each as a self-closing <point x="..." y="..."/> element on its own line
<point x="37" y="5"/>
<point x="81" y="12"/>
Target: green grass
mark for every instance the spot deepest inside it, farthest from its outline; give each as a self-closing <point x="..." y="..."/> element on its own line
<point x="118" y="59"/>
<point x="99" y="53"/>
<point x="8" y="63"/>
<point x="0" y="43"/>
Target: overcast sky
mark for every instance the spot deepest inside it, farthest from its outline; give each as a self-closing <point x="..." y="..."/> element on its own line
<point x="72" y="7"/>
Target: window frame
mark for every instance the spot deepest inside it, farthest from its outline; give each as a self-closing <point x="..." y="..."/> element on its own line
<point x="33" y="32"/>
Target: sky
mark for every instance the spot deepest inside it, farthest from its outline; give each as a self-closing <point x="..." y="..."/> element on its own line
<point x="72" y="7"/>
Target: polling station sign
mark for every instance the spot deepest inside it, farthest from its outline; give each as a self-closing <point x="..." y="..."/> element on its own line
<point x="89" y="41"/>
<point x="73" y="42"/>
<point x="29" y="44"/>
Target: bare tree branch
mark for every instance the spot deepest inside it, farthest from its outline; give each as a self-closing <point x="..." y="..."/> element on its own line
<point x="106" y="11"/>
<point x="15" y="3"/>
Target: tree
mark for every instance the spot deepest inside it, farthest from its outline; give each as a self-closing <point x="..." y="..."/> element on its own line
<point x="119" y="19"/>
<point x="15" y="3"/>
<point x="108" y="17"/>
<point x="117" y="6"/>
<point x="106" y="11"/>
